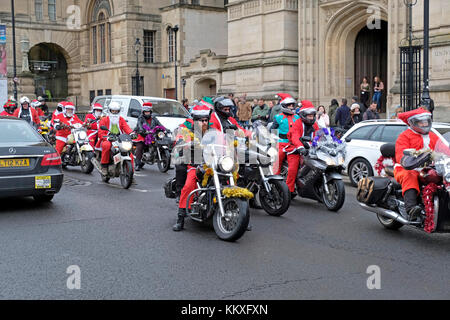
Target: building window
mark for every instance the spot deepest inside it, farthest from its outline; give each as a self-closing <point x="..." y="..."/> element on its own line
<point x="170" y="37"/>
<point x="149" y="46"/>
<point x="99" y="92"/>
<point x="197" y="2"/>
<point x="91" y="95"/>
<point x="38" y="9"/>
<point x="108" y="92"/>
<point x="101" y="39"/>
<point x="52" y="10"/>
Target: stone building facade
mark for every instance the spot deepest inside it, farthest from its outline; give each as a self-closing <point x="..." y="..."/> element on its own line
<point x="78" y="49"/>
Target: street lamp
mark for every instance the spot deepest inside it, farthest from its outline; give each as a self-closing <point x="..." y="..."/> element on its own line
<point x="183" y="82"/>
<point x="13" y="20"/>
<point x="426" y="99"/>
<point x="137" y="48"/>
<point x="175" y="30"/>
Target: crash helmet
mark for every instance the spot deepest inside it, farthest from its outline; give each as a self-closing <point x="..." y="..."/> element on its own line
<point x="61" y="105"/>
<point x="35" y="103"/>
<point x="288" y="105"/>
<point x="147" y="107"/>
<point x="307" y="109"/>
<point x="114" y="107"/>
<point x="200" y="112"/>
<point x="220" y="103"/>
<point x="419" y="120"/>
<point x="24" y="100"/>
<point x="69" y="109"/>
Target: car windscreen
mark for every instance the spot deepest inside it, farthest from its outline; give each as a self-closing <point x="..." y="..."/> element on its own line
<point x="168" y="108"/>
<point x="18" y="132"/>
<point x="442" y="131"/>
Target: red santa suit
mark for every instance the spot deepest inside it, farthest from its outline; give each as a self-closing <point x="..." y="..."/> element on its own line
<point x="105" y="145"/>
<point x="93" y="128"/>
<point x="62" y="134"/>
<point x="217" y="124"/>
<point x="6" y="114"/>
<point x="410" y="139"/>
<point x="294" y="135"/>
<point x="33" y="114"/>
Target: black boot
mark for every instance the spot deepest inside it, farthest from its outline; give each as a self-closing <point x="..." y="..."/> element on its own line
<point x="180" y="221"/>
<point x="137" y="165"/>
<point x="411" y="206"/>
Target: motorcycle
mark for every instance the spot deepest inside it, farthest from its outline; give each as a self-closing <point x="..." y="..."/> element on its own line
<point x="319" y="178"/>
<point x="217" y="196"/>
<point x="78" y="151"/>
<point x="46" y="130"/>
<point x="120" y="164"/>
<point x="383" y="195"/>
<point x="157" y="148"/>
<point x="256" y="173"/>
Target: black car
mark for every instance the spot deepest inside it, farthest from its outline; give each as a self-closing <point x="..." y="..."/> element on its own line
<point x="29" y="166"/>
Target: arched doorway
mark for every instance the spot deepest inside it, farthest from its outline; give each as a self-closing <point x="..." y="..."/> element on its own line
<point x="371" y="50"/>
<point x="205" y="87"/>
<point x="49" y="67"/>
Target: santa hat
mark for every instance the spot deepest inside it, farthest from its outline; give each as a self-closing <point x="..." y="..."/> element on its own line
<point x="306" y="104"/>
<point x="147" y="104"/>
<point x="282" y="96"/>
<point x="207" y="101"/>
<point x="200" y="111"/>
<point x="404" y="116"/>
<point x="97" y="106"/>
<point x="69" y="105"/>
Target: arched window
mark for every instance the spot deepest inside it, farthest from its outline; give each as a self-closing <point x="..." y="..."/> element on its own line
<point x="101" y="33"/>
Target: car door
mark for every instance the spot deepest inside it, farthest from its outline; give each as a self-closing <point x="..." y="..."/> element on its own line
<point x="358" y="146"/>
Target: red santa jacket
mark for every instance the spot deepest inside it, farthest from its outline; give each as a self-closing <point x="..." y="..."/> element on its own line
<point x="295" y="133"/>
<point x="94" y="126"/>
<point x="123" y="128"/>
<point x="6" y="114"/>
<point x="62" y="134"/>
<point x="34" y="114"/>
<point x="216" y="124"/>
<point x="413" y="140"/>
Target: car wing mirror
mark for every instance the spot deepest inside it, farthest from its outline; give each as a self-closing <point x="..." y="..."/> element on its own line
<point x="348" y="140"/>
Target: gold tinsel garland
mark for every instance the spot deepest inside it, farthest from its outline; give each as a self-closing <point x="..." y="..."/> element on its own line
<point x="237" y="192"/>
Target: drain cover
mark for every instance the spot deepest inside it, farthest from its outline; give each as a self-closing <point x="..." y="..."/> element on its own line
<point x="73" y="182"/>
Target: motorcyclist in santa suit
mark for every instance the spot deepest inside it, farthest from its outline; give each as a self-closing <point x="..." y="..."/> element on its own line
<point x="200" y="120"/>
<point x="418" y="136"/>
<point x="283" y="122"/>
<point x="306" y="126"/>
<point x="65" y="120"/>
<point x="222" y="119"/>
<point x="92" y="120"/>
<point x="8" y="109"/>
<point x="145" y="119"/>
<point x="27" y="113"/>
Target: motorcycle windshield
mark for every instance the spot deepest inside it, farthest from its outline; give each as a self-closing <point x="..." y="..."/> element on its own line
<point x="441" y="157"/>
<point x="325" y="145"/>
<point x="216" y="145"/>
<point x="442" y="145"/>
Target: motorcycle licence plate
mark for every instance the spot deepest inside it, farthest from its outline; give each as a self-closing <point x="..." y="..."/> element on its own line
<point x="44" y="182"/>
<point x="117" y="158"/>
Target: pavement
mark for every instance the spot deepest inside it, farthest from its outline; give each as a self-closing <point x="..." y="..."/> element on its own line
<point x="123" y="244"/>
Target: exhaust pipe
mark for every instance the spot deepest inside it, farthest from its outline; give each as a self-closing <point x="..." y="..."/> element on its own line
<point x="386" y="213"/>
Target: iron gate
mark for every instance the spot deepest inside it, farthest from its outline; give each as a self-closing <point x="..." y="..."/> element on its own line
<point x="410" y="77"/>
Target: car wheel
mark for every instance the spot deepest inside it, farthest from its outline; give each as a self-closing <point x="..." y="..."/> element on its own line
<point x="360" y="168"/>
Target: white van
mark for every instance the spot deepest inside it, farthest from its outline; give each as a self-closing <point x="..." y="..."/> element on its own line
<point x="170" y="113"/>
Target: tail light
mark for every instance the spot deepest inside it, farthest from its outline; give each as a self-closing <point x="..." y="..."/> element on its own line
<point x="52" y="159"/>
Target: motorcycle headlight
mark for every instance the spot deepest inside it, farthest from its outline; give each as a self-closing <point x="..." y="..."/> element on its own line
<point x="330" y="161"/>
<point x="82" y="135"/>
<point x="226" y="164"/>
<point x="161" y="135"/>
<point x="447" y="177"/>
<point x="272" y="153"/>
<point x="341" y="160"/>
<point x="126" y="146"/>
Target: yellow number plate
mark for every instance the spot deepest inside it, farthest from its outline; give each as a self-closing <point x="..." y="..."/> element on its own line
<point x="44" y="182"/>
<point x="14" y="163"/>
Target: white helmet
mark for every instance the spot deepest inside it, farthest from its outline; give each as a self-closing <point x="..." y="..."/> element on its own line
<point x="35" y="104"/>
<point x="114" y="106"/>
<point x="285" y="103"/>
<point x="24" y="100"/>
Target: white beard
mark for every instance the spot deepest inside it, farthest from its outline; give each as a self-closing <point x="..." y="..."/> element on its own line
<point x="114" y="119"/>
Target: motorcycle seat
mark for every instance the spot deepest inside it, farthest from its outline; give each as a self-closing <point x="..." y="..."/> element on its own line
<point x="388" y="150"/>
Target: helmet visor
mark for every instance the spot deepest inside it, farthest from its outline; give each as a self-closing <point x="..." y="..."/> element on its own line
<point x="420" y="123"/>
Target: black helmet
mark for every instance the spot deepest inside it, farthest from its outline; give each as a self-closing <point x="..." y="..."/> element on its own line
<point x="147" y="107"/>
<point x="220" y="103"/>
<point x="307" y="109"/>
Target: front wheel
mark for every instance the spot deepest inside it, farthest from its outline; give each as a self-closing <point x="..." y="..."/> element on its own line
<point x="277" y="202"/>
<point x="126" y="176"/>
<point x="334" y="199"/>
<point x="235" y="222"/>
<point x="86" y="163"/>
<point x="164" y="164"/>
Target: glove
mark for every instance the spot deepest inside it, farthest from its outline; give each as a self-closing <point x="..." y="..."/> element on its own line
<point x="302" y="151"/>
<point x="133" y="135"/>
<point x="110" y="138"/>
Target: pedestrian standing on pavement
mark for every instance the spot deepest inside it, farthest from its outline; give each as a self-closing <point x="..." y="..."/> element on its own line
<point x="365" y="92"/>
<point x="343" y="115"/>
<point x="356" y="115"/>
<point x="244" y="112"/>
<point x="362" y="107"/>
<point x="332" y="112"/>
<point x="322" y="118"/>
<point x="261" y="112"/>
<point x="371" y="113"/>
<point x="378" y="92"/>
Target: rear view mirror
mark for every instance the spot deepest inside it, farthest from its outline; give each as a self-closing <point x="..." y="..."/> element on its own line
<point x="348" y="140"/>
<point x="135" y="114"/>
<point x="104" y="128"/>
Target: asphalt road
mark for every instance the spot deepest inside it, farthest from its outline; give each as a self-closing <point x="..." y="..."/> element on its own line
<point x="125" y="248"/>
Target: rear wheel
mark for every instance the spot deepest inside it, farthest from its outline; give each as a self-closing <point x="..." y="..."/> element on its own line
<point x="334" y="199"/>
<point x="43" y="198"/>
<point x="86" y="163"/>
<point x="126" y="176"/>
<point x="233" y="225"/>
<point x="277" y="202"/>
<point x="164" y="164"/>
<point x="390" y="224"/>
<point x="359" y="169"/>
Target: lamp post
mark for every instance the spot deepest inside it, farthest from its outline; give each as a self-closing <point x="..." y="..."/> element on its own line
<point x="426" y="99"/>
<point x="183" y="82"/>
<point x="175" y="30"/>
<point x="13" y="20"/>
<point x="137" y="48"/>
